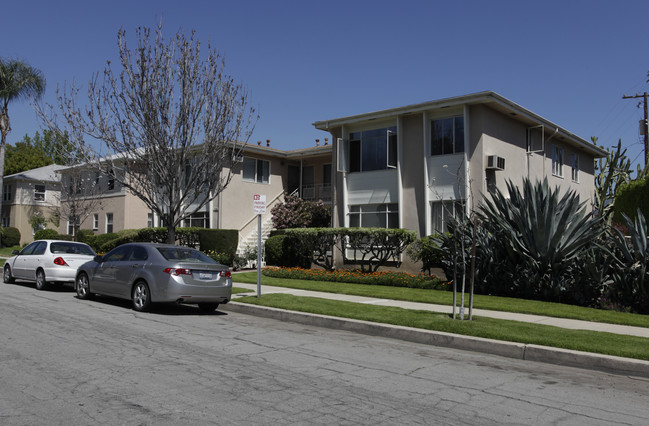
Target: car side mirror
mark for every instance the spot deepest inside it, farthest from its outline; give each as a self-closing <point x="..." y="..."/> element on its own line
<point x="15" y="252"/>
<point x="98" y="259"/>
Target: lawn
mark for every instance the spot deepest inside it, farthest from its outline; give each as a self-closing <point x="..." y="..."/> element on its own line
<point x="441" y="297"/>
<point x="490" y="328"/>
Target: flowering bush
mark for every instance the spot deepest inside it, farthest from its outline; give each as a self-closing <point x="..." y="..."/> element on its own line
<point x="394" y="279"/>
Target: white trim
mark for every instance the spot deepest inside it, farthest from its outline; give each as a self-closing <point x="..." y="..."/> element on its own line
<point x="427" y="157"/>
<point x="399" y="178"/>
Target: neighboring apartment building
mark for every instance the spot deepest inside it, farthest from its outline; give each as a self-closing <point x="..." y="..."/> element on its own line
<point x="27" y="194"/>
<point x="259" y="170"/>
<point x="411" y="167"/>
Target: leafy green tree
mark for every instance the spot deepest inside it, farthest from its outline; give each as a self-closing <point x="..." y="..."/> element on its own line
<point x="18" y="80"/>
<point x="58" y="147"/>
<point x="24" y="156"/>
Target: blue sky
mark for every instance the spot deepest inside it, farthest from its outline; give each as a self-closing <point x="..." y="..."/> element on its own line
<point x="569" y="61"/>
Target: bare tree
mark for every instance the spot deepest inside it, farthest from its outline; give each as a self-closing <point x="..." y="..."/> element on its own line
<point x="170" y="123"/>
<point x="81" y="195"/>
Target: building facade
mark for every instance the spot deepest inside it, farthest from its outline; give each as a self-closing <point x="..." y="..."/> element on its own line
<point x="31" y="194"/>
<point x="411" y="167"/>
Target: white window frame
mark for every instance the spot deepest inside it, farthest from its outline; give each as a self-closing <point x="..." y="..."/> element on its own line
<point x="39" y="196"/>
<point x="388" y="210"/>
<point x="95" y="221"/>
<point x="447" y="208"/>
<point x="557" y="161"/>
<point x="257" y="178"/>
<point x="110" y="222"/>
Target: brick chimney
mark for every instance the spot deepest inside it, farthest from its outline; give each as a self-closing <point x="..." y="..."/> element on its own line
<point x="267" y="142"/>
<point x="326" y="141"/>
<point x="317" y="142"/>
<point x="259" y="143"/>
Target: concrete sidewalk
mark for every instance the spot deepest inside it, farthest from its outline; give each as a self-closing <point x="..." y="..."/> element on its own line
<point x="616" y="365"/>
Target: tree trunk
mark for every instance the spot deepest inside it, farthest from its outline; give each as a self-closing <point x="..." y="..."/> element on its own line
<point x="4" y="130"/>
<point x="171" y="234"/>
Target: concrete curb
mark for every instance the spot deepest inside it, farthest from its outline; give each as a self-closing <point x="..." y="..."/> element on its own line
<point x="545" y="354"/>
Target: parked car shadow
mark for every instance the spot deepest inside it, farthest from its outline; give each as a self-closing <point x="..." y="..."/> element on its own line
<point x="56" y="288"/>
<point x="157" y="308"/>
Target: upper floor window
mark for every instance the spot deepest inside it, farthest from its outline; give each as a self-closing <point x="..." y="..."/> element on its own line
<point x="447" y="136"/>
<point x="574" y="160"/>
<point x="369" y="150"/>
<point x="557" y="161"/>
<point x="255" y="170"/>
<point x="111" y="181"/>
<point x="39" y="192"/>
<point x="6" y="193"/>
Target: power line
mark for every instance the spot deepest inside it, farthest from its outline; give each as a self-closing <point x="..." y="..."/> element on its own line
<point x="645" y="99"/>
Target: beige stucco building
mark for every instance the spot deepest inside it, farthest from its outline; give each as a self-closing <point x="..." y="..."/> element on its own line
<point x="259" y="170"/>
<point x="27" y="194"/>
<point x="412" y="166"/>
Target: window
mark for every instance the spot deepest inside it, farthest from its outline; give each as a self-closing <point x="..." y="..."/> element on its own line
<point x="255" y="170"/>
<point x="111" y="180"/>
<point x="447" y="136"/>
<point x="374" y="216"/>
<point x="373" y="149"/>
<point x="39" y="192"/>
<point x="118" y="254"/>
<point x="95" y="221"/>
<point x="443" y="211"/>
<point x="197" y="220"/>
<point x="557" y="161"/>
<point x="5" y="221"/>
<point x="109" y="223"/>
<point x="6" y="193"/>
<point x="71" y="226"/>
<point x="149" y="220"/>
<point x="574" y="160"/>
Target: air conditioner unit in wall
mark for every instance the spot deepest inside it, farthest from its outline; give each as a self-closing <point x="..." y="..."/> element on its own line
<point x="495" y="162"/>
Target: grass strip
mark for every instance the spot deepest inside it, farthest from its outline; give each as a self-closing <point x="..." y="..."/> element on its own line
<point x="440" y="297"/>
<point x="489" y="328"/>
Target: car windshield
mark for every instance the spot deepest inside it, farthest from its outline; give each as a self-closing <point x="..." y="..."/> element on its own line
<point x="184" y="254"/>
<point x="71" y="248"/>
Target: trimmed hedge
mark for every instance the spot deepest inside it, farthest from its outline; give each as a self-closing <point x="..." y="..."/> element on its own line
<point x="46" y="234"/>
<point x="10" y="236"/>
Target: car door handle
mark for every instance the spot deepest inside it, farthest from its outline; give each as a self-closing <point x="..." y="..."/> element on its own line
<point x="135" y="266"/>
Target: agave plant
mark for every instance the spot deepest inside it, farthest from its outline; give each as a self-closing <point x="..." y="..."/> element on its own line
<point x="542" y="234"/>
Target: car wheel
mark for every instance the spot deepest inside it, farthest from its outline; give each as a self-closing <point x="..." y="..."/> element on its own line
<point x="7" y="275"/>
<point x="83" y="287"/>
<point x="141" y="297"/>
<point x="41" y="283"/>
<point x="208" y="307"/>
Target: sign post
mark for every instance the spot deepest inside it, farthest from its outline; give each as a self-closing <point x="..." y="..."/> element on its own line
<point x="259" y="208"/>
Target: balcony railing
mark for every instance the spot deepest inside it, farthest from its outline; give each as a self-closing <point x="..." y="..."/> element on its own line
<point x="316" y="192"/>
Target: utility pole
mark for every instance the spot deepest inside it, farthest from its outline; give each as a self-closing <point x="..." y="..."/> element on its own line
<point x="645" y="124"/>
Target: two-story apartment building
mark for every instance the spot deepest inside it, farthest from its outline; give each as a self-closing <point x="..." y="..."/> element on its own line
<point x="412" y="166"/>
<point x="27" y="194"/>
<point x="259" y="170"/>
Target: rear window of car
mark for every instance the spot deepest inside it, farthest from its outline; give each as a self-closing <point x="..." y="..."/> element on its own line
<point x="71" y="248"/>
<point x="182" y="254"/>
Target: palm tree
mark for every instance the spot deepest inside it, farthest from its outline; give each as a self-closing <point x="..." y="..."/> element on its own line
<point x="17" y="80"/>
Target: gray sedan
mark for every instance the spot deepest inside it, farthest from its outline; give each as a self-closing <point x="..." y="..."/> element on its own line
<point x="148" y="273"/>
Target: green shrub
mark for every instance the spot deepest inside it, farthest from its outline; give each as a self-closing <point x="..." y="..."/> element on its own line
<point x="152" y="235"/>
<point x="101" y="239"/>
<point x="10" y="236"/>
<point x="86" y="236"/>
<point x="426" y="250"/>
<point x="274" y="250"/>
<point x="46" y="234"/>
<point x="631" y="197"/>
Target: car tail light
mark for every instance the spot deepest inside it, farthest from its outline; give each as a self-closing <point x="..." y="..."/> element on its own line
<point x="226" y="274"/>
<point x="59" y="261"/>
<point x="178" y="271"/>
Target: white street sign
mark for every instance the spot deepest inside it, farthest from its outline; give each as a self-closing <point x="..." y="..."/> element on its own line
<point x="259" y="204"/>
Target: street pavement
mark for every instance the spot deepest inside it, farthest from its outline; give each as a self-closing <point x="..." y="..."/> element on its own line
<point x="612" y="364"/>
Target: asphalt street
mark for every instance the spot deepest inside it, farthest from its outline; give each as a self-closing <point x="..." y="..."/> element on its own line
<point x="73" y="362"/>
